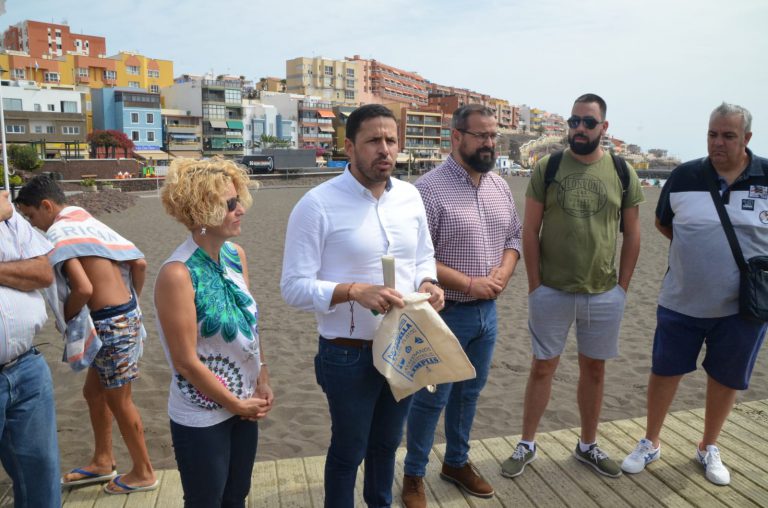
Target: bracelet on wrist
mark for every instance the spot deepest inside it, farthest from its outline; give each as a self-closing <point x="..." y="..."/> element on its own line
<point x="469" y="286"/>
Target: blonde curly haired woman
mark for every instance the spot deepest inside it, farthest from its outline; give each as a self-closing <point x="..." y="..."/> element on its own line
<point x="208" y="324"/>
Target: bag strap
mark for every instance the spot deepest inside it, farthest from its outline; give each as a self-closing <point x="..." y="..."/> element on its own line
<point x="711" y="177"/>
<point x="553" y="164"/>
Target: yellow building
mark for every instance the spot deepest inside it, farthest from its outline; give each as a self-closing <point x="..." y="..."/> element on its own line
<point x="335" y="81"/>
<point x="83" y="72"/>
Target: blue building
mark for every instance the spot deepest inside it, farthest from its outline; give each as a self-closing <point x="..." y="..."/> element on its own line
<point x="134" y="112"/>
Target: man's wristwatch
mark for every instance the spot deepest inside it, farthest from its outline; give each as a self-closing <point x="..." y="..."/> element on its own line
<point x="433" y="281"/>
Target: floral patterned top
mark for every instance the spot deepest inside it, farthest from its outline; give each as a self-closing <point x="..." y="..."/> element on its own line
<point x="227" y="337"/>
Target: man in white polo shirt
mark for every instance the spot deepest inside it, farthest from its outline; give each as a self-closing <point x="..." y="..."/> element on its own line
<point x="29" y="449"/>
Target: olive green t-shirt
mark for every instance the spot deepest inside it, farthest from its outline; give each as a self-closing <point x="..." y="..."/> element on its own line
<point x="581" y="222"/>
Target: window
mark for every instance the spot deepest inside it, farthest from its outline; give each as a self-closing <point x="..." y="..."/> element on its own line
<point x="51" y="77"/>
<point x="82" y="72"/>
<point x="38" y="107"/>
<point x="68" y="107"/>
<point x="328" y="71"/>
<point x="110" y="75"/>
<point x="70" y="130"/>
<point x="350" y="73"/>
<point x="11" y="104"/>
<point x="150" y="135"/>
<point x="134" y="84"/>
<point x="154" y="88"/>
<point x="38" y="129"/>
<point x="153" y="74"/>
<point x="134" y="118"/>
<point x="132" y="69"/>
<point x="232" y="96"/>
<point x="51" y="107"/>
<point x="49" y="129"/>
<point x="15" y="128"/>
<point x="134" y="135"/>
<point x="349" y="94"/>
<point x="350" y="83"/>
<point x="214" y="112"/>
<point x="150" y="118"/>
<point x="19" y="74"/>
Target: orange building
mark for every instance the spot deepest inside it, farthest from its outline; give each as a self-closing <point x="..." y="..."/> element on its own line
<point x="39" y="39"/>
<point x="390" y="84"/>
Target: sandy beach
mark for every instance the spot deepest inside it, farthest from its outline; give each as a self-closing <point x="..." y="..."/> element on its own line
<point x="299" y="424"/>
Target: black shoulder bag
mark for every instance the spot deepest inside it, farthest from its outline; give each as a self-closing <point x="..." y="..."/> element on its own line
<point x="753" y="287"/>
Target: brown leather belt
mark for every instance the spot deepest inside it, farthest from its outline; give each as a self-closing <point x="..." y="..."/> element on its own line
<point x="355" y="343"/>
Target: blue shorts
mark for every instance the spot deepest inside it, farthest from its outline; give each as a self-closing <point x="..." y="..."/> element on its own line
<point x="119" y="329"/>
<point x="732" y="346"/>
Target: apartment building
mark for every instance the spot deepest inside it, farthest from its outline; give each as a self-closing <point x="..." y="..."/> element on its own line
<point x="137" y="114"/>
<point x="388" y="84"/>
<point x="316" y="124"/>
<point x="262" y="122"/>
<point x="39" y="39"/>
<point x="51" y="120"/>
<point x="333" y="81"/>
<point x="420" y="134"/>
<point x="182" y="134"/>
<point x="218" y="101"/>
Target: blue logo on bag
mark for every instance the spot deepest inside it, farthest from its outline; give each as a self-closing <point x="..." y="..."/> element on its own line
<point x="410" y="351"/>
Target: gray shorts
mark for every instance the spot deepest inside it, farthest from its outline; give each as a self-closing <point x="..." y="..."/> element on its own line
<point x="598" y="320"/>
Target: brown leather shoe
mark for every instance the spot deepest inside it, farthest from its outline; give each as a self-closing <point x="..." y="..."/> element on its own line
<point x="468" y="479"/>
<point x="413" y="492"/>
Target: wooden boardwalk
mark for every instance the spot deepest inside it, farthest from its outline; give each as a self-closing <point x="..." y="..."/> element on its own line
<point x="555" y="479"/>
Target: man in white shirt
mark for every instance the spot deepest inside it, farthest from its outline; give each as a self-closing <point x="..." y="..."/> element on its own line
<point x="336" y="236"/>
<point x="29" y="448"/>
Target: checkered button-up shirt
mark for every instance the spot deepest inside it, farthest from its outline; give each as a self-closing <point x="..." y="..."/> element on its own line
<point x="470" y="226"/>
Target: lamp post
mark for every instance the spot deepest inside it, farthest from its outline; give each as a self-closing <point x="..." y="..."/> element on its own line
<point x="2" y="129"/>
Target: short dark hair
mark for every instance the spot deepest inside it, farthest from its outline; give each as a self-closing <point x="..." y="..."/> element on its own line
<point x="364" y="113"/>
<point x="39" y="188"/>
<point x="591" y="97"/>
<point x="461" y="115"/>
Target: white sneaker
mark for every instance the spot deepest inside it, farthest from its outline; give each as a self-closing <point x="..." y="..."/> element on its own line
<point x="643" y="454"/>
<point x="714" y="469"/>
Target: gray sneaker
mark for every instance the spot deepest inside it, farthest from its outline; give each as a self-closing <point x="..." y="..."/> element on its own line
<point x="599" y="460"/>
<point x="515" y="464"/>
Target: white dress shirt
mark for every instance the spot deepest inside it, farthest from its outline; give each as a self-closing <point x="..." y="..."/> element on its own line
<point x="337" y="233"/>
<point x="22" y="313"/>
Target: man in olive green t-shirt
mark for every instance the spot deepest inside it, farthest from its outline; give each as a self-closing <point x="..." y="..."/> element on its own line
<point x="570" y="234"/>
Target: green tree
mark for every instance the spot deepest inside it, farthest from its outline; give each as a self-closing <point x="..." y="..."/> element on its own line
<point x="23" y="157"/>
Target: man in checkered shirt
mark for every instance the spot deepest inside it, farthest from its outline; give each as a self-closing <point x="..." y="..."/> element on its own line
<point x="477" y="238"/>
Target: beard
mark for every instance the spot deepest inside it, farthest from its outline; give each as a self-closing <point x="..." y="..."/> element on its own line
<point x="583" y="148"/>
<point x="477" y="162"/>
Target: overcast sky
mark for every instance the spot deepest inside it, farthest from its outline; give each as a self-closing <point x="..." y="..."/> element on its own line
<point x="661" y="65"/>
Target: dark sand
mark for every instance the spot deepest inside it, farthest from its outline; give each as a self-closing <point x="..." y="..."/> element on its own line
<point x="299" y="424"/>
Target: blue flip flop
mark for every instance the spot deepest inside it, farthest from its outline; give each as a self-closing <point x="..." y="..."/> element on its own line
<point x="128" y="489"/>
<point x="89" y="478"/>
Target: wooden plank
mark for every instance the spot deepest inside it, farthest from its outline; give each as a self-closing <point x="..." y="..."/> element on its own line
<point x="744" y="474"/>
<point x="489" y="469"/>
<point x="678" y="451"/>
<point x="605" y="491"/>
<point x="666" y="470"/>
<point x="530" y="487"/>
<point x="734" y="439"/>
<point x="445" y="493"/>
<point x="315" y="469"/>
<point x="431" y="477"/>
<point x="82" y="497"/>
<point x="292" y="482"/>
<point x="264" y="492"/>
<point x="654" y="488"/>
<point x="171" y="493"/>
<point x="761" y="406"/>
<point x="749" y="429"/>
<point x="142" y="499"/>
<point x="553" y="463"/>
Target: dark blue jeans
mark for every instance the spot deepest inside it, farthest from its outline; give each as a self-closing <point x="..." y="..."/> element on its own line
<point x="215" y="463"/>
<point x="29" y="448"/>
<point x="474" y="325"/>
<point x="366" y="423"/>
